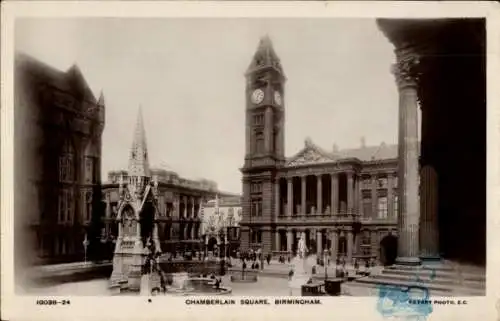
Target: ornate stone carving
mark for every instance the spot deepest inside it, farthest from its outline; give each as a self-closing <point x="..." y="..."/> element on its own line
<point x="310" y="156"/>
<point x="406" y="69"/>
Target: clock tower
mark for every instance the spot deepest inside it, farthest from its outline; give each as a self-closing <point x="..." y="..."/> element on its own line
<point x="264" y="141"/>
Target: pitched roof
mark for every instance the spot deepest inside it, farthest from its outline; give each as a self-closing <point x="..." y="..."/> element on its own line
<point x="313" y="154"/>
<point x="265" y="56"/>
<point x="370" y="153"/>
<point x="71" y="81"/>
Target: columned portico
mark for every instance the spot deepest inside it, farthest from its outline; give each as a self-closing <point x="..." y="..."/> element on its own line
<point x="405" y="71"/>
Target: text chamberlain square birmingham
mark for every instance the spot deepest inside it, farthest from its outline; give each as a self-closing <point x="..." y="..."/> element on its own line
<point x="393" y="203"/>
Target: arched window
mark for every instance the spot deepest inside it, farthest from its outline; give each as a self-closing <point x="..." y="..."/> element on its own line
<point x="66" y="172"/>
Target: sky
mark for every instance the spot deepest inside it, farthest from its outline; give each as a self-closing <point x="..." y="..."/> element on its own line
<point x="188" y="76"/>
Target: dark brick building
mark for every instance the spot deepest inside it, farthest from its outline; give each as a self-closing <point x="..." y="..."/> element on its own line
<point x="58" y="125"/>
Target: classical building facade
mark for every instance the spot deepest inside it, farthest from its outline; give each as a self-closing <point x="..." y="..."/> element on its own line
<point x="57" y="131"/>
<point x="221" y="220"/>
<point x="344" y="200"/>
<point x="179" y="201"/>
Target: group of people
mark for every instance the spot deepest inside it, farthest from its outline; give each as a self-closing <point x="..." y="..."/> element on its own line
<point x="256" y="257"/>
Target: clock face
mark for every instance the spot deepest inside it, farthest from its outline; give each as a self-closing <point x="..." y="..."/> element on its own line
<point x="277" y="98"/>
<point x="257" y="96"/>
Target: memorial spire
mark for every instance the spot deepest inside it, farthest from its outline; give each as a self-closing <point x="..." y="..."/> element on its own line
<point x="139" y="161"/>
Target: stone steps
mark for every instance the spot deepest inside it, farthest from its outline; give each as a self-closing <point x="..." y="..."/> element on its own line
<point x="436" y="275"/>
<point x="441" y="279"/>
<point x="371" y="289"/>
<point x="449" y="282"/>
<point x="435" y="289"/>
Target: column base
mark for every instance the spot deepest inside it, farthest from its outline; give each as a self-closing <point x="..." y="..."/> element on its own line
<point x="411" y="261"/>
<point x="430" y="258"/>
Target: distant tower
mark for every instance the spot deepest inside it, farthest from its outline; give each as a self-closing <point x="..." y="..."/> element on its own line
<point x="265" y="152"/>
<point x="137" y="214"/>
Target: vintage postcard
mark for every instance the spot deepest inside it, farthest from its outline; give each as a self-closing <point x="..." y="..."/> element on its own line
<point x="240" y="160"/>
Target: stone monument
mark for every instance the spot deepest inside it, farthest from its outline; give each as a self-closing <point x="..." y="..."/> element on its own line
<point x="300" y="268"/>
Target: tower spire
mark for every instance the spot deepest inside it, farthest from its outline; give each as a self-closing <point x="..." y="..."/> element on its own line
<point x="265" y="56"/>
<point x="139" y="161"/>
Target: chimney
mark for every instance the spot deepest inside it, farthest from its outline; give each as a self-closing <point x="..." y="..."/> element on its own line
<point x="335" y="148"/>
<point x="363" y="142"/>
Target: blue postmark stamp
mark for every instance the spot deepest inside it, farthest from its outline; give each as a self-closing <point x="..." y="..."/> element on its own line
<point x="405" y="303"/>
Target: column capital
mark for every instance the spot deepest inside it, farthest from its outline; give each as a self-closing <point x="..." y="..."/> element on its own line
<point x="406" y="69"/>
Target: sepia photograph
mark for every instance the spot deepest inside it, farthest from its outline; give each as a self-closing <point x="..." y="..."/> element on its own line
<point x="267" y="160"/>
<point x="299" y="157"/>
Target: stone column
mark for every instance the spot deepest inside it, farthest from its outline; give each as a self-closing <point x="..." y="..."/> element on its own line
<point x="406" y="74"/>
<point x="277" y="198"/>
<point x="335" y="194"/>
<point x="319" y="242"/>
<point x="334" y="243"/>
<point x="289" y="196"/>
<point x="374" y="196"/>
<point x="319" y="193"/>
<point x="277" y="235"/>
<point x="192" y="207"/>
<point x="303" y="195"/>
<point x="349" y="245"/>
<point x="350" y="190"/>
<point x="390" y="196"/>
<point x="429" y="235"/>
<point x="357" y="195"/>
<point x="289" y="240"/>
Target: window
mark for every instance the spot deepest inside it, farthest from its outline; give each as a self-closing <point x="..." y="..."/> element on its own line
<point x="66" y="163"/>
<point x="367" y="206"/>
<point x="382" y="182"/>
<point x="62" y="206"/>
<point x="256" y="188"/>
<point x="366" y="243"/>
<point x="395" y="180"/>
<point x="65" y="206"/>
<point x="89" y="170"/>
<point x="259" y="142"/>
<point x="366" y="183"/>
<point x="258" y="119"/>
<point x="256" y="209"/>
<point x="259" y="236"/>
<point x="69" y="205"/>
<point x="382" y="207"/>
